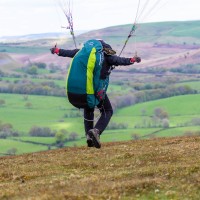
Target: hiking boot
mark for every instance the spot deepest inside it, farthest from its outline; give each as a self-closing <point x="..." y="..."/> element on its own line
<point x="89" y="141"/>
<point x="94" y="134"/>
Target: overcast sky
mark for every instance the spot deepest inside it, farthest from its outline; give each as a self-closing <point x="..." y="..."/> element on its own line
<point x="20" y="17"/>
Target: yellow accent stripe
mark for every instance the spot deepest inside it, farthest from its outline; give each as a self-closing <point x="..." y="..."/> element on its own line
<point x="90" y="69"/>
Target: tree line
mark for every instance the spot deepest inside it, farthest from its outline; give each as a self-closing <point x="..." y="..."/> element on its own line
<point x="131" y="98"/>
<point x="135" y="97"/>
<point x="28" y="87"/>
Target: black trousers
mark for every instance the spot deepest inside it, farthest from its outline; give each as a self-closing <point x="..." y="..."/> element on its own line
<point x="106" y="111"/>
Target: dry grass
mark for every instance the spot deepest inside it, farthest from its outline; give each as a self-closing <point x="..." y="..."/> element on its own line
<point x="145" y="169"/>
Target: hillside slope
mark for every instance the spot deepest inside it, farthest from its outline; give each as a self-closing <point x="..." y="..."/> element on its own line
<point x="146" y="169"/>
<point x="8" y="63"/>
<point x="161" y="44"/>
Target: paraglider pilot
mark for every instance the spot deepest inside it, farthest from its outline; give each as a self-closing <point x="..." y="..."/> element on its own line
<point x="93" y="131"/>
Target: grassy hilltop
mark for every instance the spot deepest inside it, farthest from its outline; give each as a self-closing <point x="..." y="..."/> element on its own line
<point x="145" y="169"/>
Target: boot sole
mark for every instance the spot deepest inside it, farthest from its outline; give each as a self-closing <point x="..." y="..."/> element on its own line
<point x="95" y="141"/>
<point x="90" y="143"/>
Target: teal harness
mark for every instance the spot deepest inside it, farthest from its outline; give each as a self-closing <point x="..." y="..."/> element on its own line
<point x="84" y="74"/>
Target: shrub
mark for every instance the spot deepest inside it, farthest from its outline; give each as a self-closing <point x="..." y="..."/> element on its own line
<point x="3" y="135"/>
<point x="165" y="123"/>
<point x="28" y="105"/>
<point x="195" y="121"/>
<point x="73" y="136"/>
<point x="72" y="114"/>
<point x="40" y="65"/>
<point x="36" y="131"/>
<point x="135" y="136"/>
<point x="33" y="70"/>
<point x="2" y="102"/>
<point x="12" y="151"/>
<point x="192" y="133"/>
<point x="113" y="125"/>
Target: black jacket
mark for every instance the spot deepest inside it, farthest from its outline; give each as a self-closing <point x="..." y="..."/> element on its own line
<point x="108" y="63"/>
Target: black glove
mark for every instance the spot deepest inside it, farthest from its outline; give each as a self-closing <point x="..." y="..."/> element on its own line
<point x="55" y="50"/>
<point x="137" y="59"/>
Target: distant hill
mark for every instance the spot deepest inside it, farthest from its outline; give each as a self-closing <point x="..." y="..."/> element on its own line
<point x="31" y="37"/>
<point x="40" y="36"/>
<point x="160" y="44"/>
<point x="162" y="32"/>
<point x="145" y="32"/>
<point x="141" y="169"/>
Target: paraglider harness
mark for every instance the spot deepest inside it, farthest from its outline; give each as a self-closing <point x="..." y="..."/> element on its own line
<point x="85" y="87"/>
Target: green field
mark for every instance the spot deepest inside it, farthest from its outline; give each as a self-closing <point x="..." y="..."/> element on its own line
<point x="45" y="111"/>
<point x="50" y="112"/>
<point x="21" y="147"/>
<point x="173" y="132"/>
<point x="176" y="106"/>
